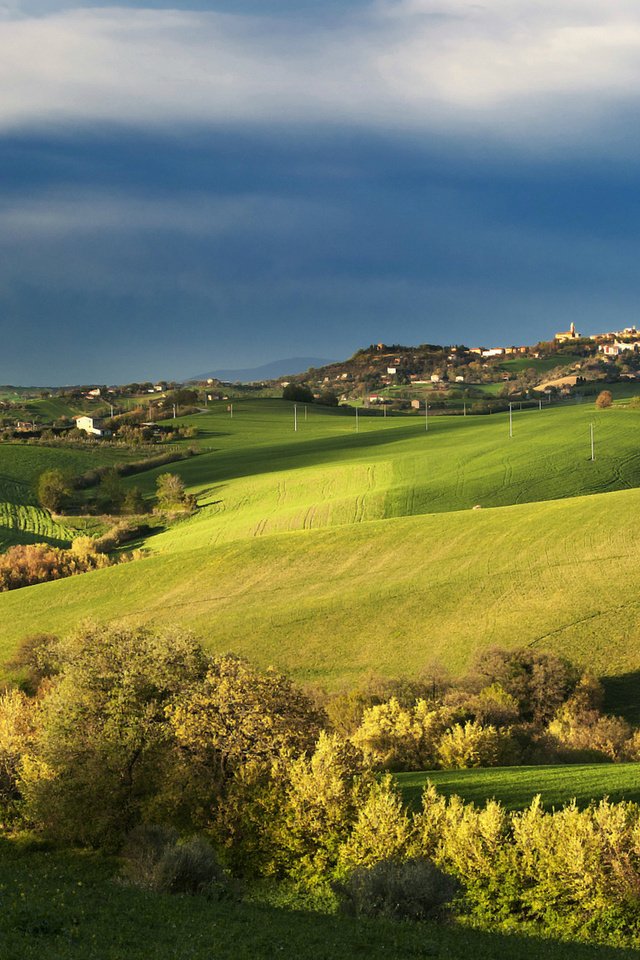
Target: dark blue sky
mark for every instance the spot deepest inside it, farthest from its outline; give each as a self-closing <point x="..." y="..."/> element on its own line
<point x="182" y="190"/>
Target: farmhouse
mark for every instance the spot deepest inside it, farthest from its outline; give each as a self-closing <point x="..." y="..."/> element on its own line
<point x="92" y="425"/>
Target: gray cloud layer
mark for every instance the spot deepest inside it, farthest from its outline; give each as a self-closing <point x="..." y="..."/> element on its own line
<point x="526" y="72"/>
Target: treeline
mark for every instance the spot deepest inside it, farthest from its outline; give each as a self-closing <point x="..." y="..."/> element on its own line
<point x="57" y="490"/>
<point x="517" y="706"/>
<point x="200" y="768"/>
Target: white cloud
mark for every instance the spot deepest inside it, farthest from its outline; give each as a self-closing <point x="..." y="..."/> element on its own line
<point x="64" y="213"/>
<point x="514" y="68"/>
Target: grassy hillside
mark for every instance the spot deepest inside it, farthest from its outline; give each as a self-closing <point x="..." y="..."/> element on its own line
<point x="260" y="477"/>
<point x="386" y="595"/>
<point x="329" y="552"/>
<point x="515" y="787"/>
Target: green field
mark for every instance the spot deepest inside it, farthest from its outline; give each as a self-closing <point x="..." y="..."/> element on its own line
<point x="539" y="364"/>
<point x="515" y="787"/>
<point x="68" y="906"/>
<point x="21" y="519"/>
<point x="330" y="553"/>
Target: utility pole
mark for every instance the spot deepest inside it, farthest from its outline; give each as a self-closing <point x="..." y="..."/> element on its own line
<point x="231" y="410"/>
<point x="426" y="415"/>
<point x="593" y="447"/>
<point x="357" y="423"/>
<point x="384" y="411"/>
<point x="510" y="420"/>
<point x="464" y="407"/>
<point x="540" y="405"/>
<point x="295" y="418"/>
<point x="305" y="411"/>
<point x="174" y="411"/>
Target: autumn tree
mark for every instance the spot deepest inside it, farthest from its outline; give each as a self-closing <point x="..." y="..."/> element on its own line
<point x="604" y="399"/>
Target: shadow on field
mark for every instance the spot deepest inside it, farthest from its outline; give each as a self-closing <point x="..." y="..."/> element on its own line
<point x="622" y="695"/>
<point x="65" y="905"/>
<point x="238" y="463"/>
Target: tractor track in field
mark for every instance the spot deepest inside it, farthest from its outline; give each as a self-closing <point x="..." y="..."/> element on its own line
<point x="592" y="616"/>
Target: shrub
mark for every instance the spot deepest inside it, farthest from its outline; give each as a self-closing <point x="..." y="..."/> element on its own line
<point x="394" y="737"/>
<point x="413" y="889"/>
<point x="119" y="533"/>
<point x="604" y="399"/>
<point x="24" y="565"/>
<point x="156" y="859"/>
<point x="170" y="491"/>
<point x="472" y="745"/>
<point x="16" y="733"/>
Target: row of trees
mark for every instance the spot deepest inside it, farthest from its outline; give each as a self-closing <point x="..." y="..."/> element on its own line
<point x="125" y="727"/>
<point x="57" y="491"/>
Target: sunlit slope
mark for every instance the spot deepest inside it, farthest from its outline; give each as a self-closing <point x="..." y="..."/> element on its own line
<point x="391" y="595"/>
<point x="260" y="478"/>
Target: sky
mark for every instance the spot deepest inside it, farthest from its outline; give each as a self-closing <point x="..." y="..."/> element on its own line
<point x="187" y="186"/>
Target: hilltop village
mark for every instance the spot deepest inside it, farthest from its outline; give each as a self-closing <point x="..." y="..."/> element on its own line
<point x="450" y="378"/>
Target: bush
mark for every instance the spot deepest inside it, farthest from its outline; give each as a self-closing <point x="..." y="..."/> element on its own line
<point x="604" y="399"/>
<point x="413" y="889"/>
<point x="25" y="565"/>
<point x="156" y="859"/>
<point x="473" y="745"/>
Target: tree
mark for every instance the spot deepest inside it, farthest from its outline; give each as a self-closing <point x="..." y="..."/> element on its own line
<point x="110" y="492"/>
<point x="53" y="490"/>
<point x="103" y="745"/>
<point x="238" y="715"/>
<point x="298" y="392"/>
<point x="604" y="399"/>
<point x="170" y="490"/>
<point x="133" y="501"/>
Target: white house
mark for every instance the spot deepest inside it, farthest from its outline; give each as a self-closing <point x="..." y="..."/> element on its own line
<point x="615" y="349"/>
<point x="93" y="426"/>
<point x="435" y="378"/>
<point x="391" y="370"/>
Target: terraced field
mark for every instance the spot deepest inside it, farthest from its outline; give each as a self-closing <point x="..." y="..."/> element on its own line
<point x="21" y="519"/>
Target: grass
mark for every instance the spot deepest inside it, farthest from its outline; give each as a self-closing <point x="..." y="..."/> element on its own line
<point x="329" y="553"/>
<point x="21" y="519"/>
<point x="67" y="906"/>
<point x="515" y="787"/>
<point x="539" y="364"/>
<point x="331" y="604"/>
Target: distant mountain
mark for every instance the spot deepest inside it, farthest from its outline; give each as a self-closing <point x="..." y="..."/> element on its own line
<point x="268" y="371"/>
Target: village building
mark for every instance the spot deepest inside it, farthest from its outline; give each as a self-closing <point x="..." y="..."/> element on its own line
<point x="569" y="334"/>
<point x="616" y="348"/>
<point x="93" y="426"/>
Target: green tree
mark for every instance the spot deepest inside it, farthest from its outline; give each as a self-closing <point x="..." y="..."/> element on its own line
<point x="298" y="392"/>
<point x="103" y="746"/>
<point x="133" y="501"/>
<point x="110" y="493"/>
<point x="53" y="490"/>
<point x="170" y="490"/>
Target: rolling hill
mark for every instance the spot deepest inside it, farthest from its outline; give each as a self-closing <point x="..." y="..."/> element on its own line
<point x="329" y="553"/>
